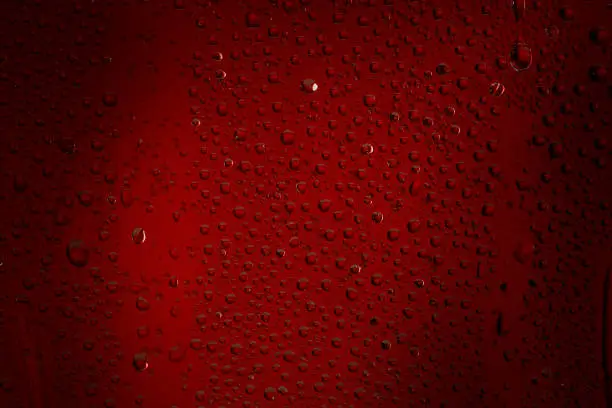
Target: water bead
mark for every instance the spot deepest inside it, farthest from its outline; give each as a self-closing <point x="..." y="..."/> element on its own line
<point x="520" y="57"/>
<point x="309" y="85"/>
<point x="139" y="236"/>
<point x="552" y="32"/>
<point x="497" y="89"/>
<point x="367" y="149"/>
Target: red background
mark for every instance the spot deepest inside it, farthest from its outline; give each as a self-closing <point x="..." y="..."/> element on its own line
<point x="267" y="277"/>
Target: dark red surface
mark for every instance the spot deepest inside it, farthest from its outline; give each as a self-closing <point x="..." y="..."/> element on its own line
<point x="188" y="221"/>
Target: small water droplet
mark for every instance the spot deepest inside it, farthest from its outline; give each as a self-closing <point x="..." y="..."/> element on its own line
<point x="355" y="269"/>
<point x="140" y="362"/>
<point x="220" y="74"/>
<point x="78" y="253"/>
<point x="367" y="149"/>
<point x="552" y="32"/>
<point x="142" y="304"/>
<point x="139" y="236"/>
<point x="309" y="85"/>
<point x="497" y="89"/>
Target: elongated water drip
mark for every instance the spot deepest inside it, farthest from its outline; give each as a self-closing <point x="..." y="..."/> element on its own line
<point x="519" y="7"/>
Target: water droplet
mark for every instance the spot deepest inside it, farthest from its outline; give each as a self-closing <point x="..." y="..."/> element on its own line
<point x="288" y="137"/>
<point x="270" y="393"/>
<point x="110" y="99"/>
<point x="67" y="145"/>
<point x="367" y="149"/>
<point x="78" y="253"/>
<point x="443" y="69"/>
<point x="352" y="294"/>
<point x="355" y="269"/>
<point x="309" y="85"/>
<point x="599" y="35"/>
<point x="519" y="8"/>
<point x="520" y="56"/>
<point x="140" y="362"/>
<point x="497" y="89"/>
<point x="369" y="100"/>
<point x="139" y="236"/>
<point x="142" y="304"/>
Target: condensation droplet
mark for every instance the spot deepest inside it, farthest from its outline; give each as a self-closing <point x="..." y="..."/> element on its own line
<point x="220" y="74"/>
<point x="520" y="56"/>
<point x="377" y="217"/>
<point x="77" y="253"/>
<point x="367" y="148"/>
<point x="519" y="7"/>
<point x="497" y="89"/>
<point x="552" y="32"/>
<point x="140" y="362"/>
<point x="139" y="236"/>
<point x="309" y="85"/>
<point x="67" y="145"/>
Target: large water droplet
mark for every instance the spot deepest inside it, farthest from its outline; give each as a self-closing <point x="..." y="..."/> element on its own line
<point x="220" y="74"/>
<point x="552" y="32"/>
<point x="520" y="56"/>
<point x="367" y="149"/>
<point x="140" y="361"/>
